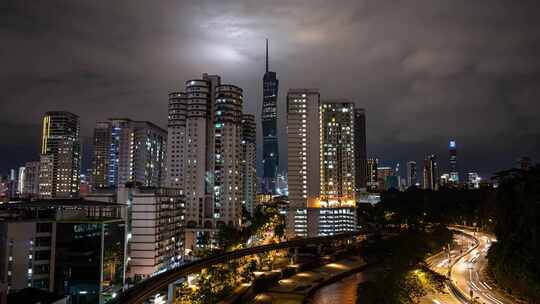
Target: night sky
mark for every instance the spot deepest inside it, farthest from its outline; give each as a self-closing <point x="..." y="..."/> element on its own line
<point x="426" y="71"/>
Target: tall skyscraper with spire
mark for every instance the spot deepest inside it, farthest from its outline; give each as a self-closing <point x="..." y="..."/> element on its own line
<point x="269" y="129"/>
<point x="454" y="173"/>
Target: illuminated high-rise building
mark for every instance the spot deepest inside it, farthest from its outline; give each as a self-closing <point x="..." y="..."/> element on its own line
<point x="228" y="183"/>
<point x="411" y="173"/>
<point x="372" y="174"/>
<point x="60" y="155"/>
<point x="337" y="165"/>
<point x="176" y="140"/>
<point x="303" y="154"/>
<point x="20" y="180"/>
<point x="211" y="153"/>
<point x="249" y="161"/>
<point x="454" y="173"/>
<point x="100" y="160"/>
<point x="321" y="172"/>
<point x="128" y="151"/>
<point x="360" y="153"/>
<point x="269" y="129"/>
<point x="431" y="173"/>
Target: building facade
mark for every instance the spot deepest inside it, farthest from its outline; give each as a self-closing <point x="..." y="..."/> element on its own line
<point x="412" y="178"/>
<point x="360" y="151"/>
<point x="101" y="158"/>
<point x="269" y="129"/>
<point x="155" y="231"/>
<point x="207" y="156"/>
<point x="176" y="139"/>
<point x="382" y="176"/>
<point x="249" y="161"/>
<point x="431" y="173"/>
<point x="199" y="163"/>
<point x="74" y="248"/>
<point x="337" y="145"/>
<point x="303" y="139"/>
<point x="60" y="155"/>
<point x="372" y="174"/>
<point x="127" y="151"/>
<point x="31" y="179"/>
<point x="454" y="173"/>
<point x="228" y="179"/>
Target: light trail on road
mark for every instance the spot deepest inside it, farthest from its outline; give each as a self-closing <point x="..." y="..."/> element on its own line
<point x="466" y="272"/>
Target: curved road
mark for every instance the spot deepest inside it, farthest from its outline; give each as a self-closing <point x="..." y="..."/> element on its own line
<point x="467" y="273"/>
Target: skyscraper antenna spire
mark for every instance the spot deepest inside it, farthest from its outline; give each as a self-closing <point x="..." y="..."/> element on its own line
<point x="266" y="55"/>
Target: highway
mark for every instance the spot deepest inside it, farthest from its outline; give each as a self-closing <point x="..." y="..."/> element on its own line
<point x="468" y="262"/>
<point x="468" y="273"/>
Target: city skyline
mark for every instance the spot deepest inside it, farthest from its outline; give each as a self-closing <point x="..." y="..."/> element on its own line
<point x="425" y="81"/>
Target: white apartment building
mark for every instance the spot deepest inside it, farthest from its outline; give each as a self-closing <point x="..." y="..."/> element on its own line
<point x="303" y="139"/>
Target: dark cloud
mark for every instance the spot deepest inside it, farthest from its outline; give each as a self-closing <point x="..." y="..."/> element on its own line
<point x="425" y="71"/>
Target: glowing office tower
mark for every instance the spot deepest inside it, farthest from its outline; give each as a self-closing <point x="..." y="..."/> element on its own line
<point x="303" y="139"/>
<point x="128" y="151"/>
<point x="269" y="129"/>
<point x="337" y="164"/>
<point x="431" y="173"/>
<point x="249" y="161"/>
<point x="454" y="173"/>
<point x="411" y="173"/>
<point x="100" y="160"/>
<point x="228" y="183"/>
<point x="60" y="155"/>
<point x="176" y="140"/>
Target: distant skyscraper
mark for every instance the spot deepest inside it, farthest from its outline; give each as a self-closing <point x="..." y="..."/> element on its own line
<point x="249" y="161"/>
<point x="269" y="128"/>
<point x="60" y="155"/>
<point x="360" y="153"/>
<point x="411" y="173"/>
<point x="474" y="180"/>
<point x="100" y="160"/>
<point x="454" y="173"/>
<point x="372" y="176"/>
<point x="337" y="123"/>
<point x="303" y="153"/>
<point x="431" y="173"/>
<point x="524" y="163"/>
<point x="382" y="176"/>
<point x="21" y="180"/>
<point x="31" y="179"/>
<point x="128" y="151"/>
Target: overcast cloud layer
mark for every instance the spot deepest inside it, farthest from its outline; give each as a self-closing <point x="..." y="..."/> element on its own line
<point x="424" y="70"/>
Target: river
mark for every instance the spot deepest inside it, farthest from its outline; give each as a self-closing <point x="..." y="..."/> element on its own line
<point x="344" y="291"/>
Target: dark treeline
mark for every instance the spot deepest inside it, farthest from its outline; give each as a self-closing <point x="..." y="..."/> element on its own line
<point x="405" y="277"/>
<point x="416" y="207"/>
<point x="511" y="212"/>
<point x="514" y="259"/>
